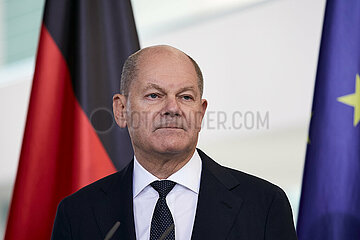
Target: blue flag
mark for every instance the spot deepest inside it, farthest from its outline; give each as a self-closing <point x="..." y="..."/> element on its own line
<point x="330" y="198"/>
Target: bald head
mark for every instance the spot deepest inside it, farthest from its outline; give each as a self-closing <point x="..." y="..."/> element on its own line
<point x="135" y="61"/>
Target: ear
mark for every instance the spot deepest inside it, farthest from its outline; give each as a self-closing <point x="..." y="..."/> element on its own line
<point x="119" y="109"/>
<point x="204" y="104"/>
<point x="202" y="112"/>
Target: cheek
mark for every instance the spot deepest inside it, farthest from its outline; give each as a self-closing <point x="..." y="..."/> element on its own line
<point x="134" y="120"/>
<point x="194" y="119"/>
<point x="142" y="120"/>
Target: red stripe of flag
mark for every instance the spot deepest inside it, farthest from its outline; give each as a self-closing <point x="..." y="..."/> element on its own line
<point x="61" y="151"/>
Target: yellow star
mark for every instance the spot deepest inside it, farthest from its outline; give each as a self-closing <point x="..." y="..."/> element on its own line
<point x="353" y="100"/>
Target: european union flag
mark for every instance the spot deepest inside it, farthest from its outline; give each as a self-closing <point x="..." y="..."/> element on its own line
<point x="330" y="200"/>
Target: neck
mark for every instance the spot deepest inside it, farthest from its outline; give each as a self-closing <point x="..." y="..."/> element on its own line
<point x="163" y="165"/>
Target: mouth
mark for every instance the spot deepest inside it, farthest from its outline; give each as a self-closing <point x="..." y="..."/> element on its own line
<point x="170" y="127"/>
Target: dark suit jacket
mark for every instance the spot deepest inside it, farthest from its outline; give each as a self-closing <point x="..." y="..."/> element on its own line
<point x="231" y="205"/>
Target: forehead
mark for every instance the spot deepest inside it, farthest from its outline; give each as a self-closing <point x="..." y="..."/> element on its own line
<point x="166" y="68"/>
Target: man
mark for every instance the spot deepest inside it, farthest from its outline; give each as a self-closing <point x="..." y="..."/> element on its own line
<point x="171" y="190"/>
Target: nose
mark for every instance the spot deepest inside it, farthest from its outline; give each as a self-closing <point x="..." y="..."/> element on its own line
<point x="171" y="107"/>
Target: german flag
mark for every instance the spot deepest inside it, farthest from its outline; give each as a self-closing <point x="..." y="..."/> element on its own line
<point x="70" y="137"/>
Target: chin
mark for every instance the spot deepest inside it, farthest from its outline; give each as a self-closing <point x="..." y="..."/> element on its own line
<point x="173" y="142"/>
<point x="172" y="147"/>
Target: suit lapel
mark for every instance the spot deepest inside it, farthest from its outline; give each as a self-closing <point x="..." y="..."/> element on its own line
<point x="217" y="206"/>
<point x="216" y="211"/>
<point x="116" y="205"/>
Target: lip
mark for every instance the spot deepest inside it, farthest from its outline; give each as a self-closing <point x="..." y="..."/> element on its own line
<point x="170" y="128"/>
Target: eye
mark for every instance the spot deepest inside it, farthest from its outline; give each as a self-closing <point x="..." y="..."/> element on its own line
<point x="187" y="97"/>
<point x="153" y="95"/>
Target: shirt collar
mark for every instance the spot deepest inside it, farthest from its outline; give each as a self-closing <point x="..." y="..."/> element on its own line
<point x="187" y="176"/>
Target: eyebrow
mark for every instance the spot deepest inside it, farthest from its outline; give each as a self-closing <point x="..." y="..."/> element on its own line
<point x="152" y="85"/>
<point x="192" y="89"/>
<point x="157" y="87"/>
<point x="187" y="89"/>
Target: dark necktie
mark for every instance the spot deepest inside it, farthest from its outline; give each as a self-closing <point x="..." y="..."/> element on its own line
<point x="162" y="223"/>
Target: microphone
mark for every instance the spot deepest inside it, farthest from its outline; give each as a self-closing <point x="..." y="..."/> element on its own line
<point x="112" y="231"/>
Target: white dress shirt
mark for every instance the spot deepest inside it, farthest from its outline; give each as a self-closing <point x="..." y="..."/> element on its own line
<point x="182" y="199"/>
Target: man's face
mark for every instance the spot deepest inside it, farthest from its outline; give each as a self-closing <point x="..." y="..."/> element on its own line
<point x="164" y="108"/>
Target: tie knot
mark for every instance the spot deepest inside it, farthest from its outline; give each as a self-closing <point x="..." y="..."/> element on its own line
<point x="163" y="187"/>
